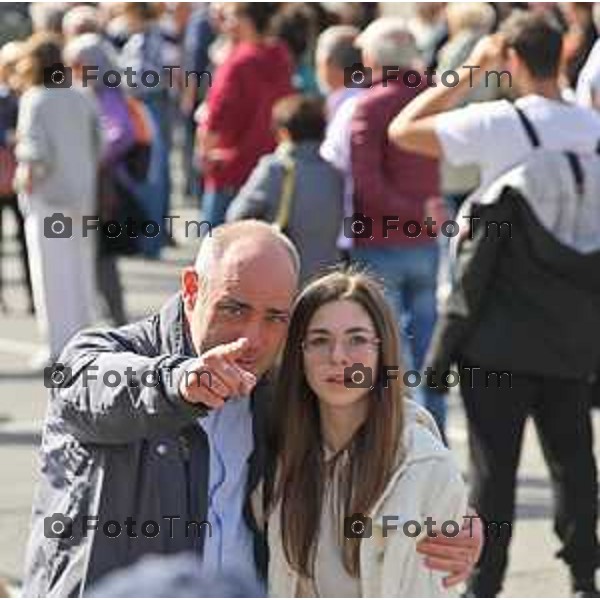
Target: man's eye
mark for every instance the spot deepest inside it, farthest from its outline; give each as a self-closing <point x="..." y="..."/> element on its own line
<point x="278" y="319"/>
<point x="232" y="310"/>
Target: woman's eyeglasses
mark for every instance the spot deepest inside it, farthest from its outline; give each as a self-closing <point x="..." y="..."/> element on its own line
<point x="354" y="345"/>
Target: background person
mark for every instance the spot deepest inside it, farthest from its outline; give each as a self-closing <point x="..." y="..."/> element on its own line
<point x="491" y="135"/>
<point x="234" y="135"/>
<point x="334" y="53"/>
<point x="118" y="142"/>
<point x="511" y="314"/>
<point x="389" y="181"/>
<point x="9" y="109"/>
<point x="58" y="142"/>
<point x="295" y="188"/>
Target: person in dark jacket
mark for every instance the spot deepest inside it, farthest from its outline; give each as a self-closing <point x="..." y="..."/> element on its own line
<point x="139" y="440"/>
<point x="295" y="188"/>
<point x="523" y="324"/>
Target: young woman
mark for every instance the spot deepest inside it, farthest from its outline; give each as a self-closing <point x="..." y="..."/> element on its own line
<point x="345" y="451"/>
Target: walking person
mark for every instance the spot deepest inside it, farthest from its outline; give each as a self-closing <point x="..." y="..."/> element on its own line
<point x="191" y="447"/>
<point x="509" y="323"/>
<point x="57" y="150"/>
<point x="530" y="283"/>
<point x="363" y="457"/>
<point x="525" y="55"/>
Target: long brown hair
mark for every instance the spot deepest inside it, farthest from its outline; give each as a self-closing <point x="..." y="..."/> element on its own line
<point x="374" y="449"/>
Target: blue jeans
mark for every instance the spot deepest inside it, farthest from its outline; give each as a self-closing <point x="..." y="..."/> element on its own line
<point x="409" y="275"/>
<point x="215" y="204"/>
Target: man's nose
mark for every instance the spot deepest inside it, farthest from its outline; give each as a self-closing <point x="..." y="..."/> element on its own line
<point x="254" y="331"/>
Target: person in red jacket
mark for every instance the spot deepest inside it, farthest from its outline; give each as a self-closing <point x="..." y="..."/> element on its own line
<point x="236" y="129"/>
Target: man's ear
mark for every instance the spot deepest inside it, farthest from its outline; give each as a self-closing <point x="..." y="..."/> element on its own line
<point x="513" y="61"/>
<point x="190" y="287"/>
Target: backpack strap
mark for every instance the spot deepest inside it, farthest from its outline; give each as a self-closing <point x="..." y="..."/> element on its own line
<point x="528" y="126"/>
<point x="577" y="171"/>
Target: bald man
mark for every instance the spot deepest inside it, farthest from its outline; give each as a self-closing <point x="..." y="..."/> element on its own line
<point x="155" y="432"/>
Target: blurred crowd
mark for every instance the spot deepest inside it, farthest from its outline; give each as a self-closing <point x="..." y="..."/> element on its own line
<point x="271" y="126"/>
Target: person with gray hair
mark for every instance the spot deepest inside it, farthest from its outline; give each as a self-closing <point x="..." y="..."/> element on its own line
<point x="188" y="444"/>
<point x="81" y="53"/>
<point x="80" y="20"/>
<point x="335" y="52"/>
<point x="391" y="184"/>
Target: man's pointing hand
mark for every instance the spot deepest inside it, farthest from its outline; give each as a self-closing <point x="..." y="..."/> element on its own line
<point x="214" y="376"/>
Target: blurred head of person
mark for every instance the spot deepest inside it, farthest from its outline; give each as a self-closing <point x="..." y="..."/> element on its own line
<point x="248" y="21"/>
<point x="80" y="20"/>
<point x="47" y="17"/>
<point x="41" y="51"/>
<point x="596" y="16"/>
<point x="298" y="119"/>
<point x="533" y="45"/>
<point x="388" y="41"/>
<point x="138" y="16"/>
<point x="430" y="12"/>
<point x="577" y="15"/>
<point x="357" y="14"/>
<point x="10" y="55"/>
<point x="340" y="323"/>
<point x="335" y="52"/>
<point x="295" y="24"/>
<point x="91" y="58"/>
<point x="469" y="17"/>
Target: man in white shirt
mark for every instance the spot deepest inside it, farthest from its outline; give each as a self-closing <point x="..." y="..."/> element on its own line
<point x="491" y="134"/>
<point x="497" y="136"/>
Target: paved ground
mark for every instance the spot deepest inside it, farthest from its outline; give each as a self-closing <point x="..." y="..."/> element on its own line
<point x="533" y="570"/>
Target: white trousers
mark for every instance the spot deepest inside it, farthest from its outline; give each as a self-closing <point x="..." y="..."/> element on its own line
<point x="62" y="273"/>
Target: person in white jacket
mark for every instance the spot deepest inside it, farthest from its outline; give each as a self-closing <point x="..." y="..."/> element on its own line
<point x="362" y="473"/>
<point x="58" y="143"/>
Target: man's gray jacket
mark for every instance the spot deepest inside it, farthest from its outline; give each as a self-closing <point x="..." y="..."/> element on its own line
<point x="125" y="454"/>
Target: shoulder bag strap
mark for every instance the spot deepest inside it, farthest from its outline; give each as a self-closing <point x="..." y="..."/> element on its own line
<point x="528" y="126"/>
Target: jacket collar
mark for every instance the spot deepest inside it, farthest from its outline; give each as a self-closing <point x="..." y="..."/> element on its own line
<point x="173" y="328"/>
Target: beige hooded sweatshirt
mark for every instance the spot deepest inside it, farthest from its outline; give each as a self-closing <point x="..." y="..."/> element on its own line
<point x="426" y="484"/>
